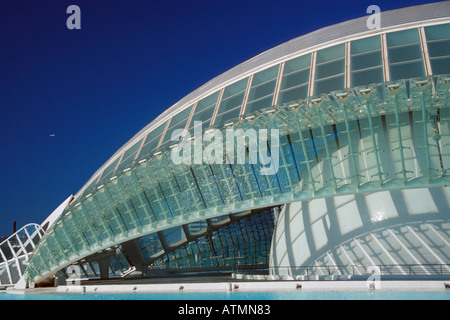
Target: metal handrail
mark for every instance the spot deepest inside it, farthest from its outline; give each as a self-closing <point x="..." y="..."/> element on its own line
<point x="18" y="255"/>
<point x="384" y="269"/>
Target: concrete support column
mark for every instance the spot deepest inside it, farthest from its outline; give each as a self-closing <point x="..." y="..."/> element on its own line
<point x="104" y="268"/>
<point x="134" y="254"/>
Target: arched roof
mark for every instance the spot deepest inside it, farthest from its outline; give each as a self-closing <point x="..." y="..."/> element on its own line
<point x="354" y="29"/>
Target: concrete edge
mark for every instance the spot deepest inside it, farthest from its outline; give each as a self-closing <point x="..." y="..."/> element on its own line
<point x="323" y="285"/>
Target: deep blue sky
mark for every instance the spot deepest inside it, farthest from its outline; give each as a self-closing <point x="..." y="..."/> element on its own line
<point x="96" y="87"/>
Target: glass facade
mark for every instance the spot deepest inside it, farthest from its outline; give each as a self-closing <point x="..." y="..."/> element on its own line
<point x="243" y="240"/>
<point x="330" y="69"/>
<point x="290" y="81"/>
<point x="15" y="252"/>
<point x="366" y="61"/>
<point x="405" y="54"/>
<point x="438" y="42"/>
<point x="295" y="81"/>
<point x="262" y="89"/>
<point x="359" y="115"/>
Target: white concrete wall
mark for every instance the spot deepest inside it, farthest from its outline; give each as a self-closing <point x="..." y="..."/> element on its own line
<point x="407" y="227"/>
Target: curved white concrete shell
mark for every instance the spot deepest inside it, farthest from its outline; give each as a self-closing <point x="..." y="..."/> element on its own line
<point x="404" y="232"/>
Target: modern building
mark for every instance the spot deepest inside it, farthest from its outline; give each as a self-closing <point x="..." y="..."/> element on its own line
<point x="362" y="174"/>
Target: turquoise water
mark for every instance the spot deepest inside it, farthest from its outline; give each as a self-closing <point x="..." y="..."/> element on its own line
<point x="294" y="295"/>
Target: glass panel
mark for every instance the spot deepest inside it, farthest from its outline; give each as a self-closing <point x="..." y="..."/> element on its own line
<point x="367" y="60"/>
<point x="179" y="121"/>
<point x="235" y="88"/>
<point x="407" y="70"/>
<point x="440" y="65"/>
<point x="152" y="140"/>
<point x="365" y="77"/>
<point x="402" y="37"/>
<point x="293" y="94"/>
<point x="204" y="116"/>
<point x="129" y="155"/>
<point x="131" y="150"/>
<point x="439" y="48"/>
<point x="294" y="84"/>
<point x="204" y="110"/>
<point x="295" y="79"/>
<point x="437" y="32"/>
<point x="331" y="53"/>
<point x="168" y="135"/>
<point x="265" y="75"/>
<point x="181" y="116"/>
<point x="262" y="90"/>
<point x="197" y="227"/>
<point x="297" y="64"/>
<point x="365" y="45"/>
<point x="206" y="102"/>
<point x="330" y="69"/>
<point x="405" y="53"/>
<point x="174" y="235"/>
<point x="150" y="245"/>
<point x="260" y="104"/>
<point x="328" y="85"/>
<point x="231" y="103"/>
<point x="224" y="117"/>
<point x="330" y="62"/>
<point x="410" y="55"/>
<point x="107" y="173"/>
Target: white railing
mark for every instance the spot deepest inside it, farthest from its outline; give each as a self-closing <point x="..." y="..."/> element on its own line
<point x="15" y="252"/>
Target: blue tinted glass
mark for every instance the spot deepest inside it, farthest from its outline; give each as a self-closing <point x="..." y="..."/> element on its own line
<point x="289" y="95"/>
<point x="265" y="75"/>
<point x="405" y="53"/>
<point x="262" y="90"/>
<point x="366" y="60"/>
<point x="231" y="103"/>
<point x="260" y="104"/>
<point x="205" y="116"/>
<point x="331" y="53"/>
<point x="438" y="32"/>
<point x="235" y="88"/>
<point x="297" y="64"/>
<point x="295" y="79"/>
<point x="328" y="85"/>
<point x="439" y="48"/>
<point x="365" y="45"/>
<point x="170" y="131"/>
<point x="368" y="76"/>
<point x="330" y="69"/>
<point x="129" y="155"/>
<point x="152" y="140"/>
<point x="224" y="117"/>
<point x="440" y="65"/>
<point x="131" y="150"/>
<point x="402" y="37"/>
<point x="107" y="173"/>
<point x="206" y="102"/>
<point x="181" y="116"/>
<point x="407" y="70"/>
